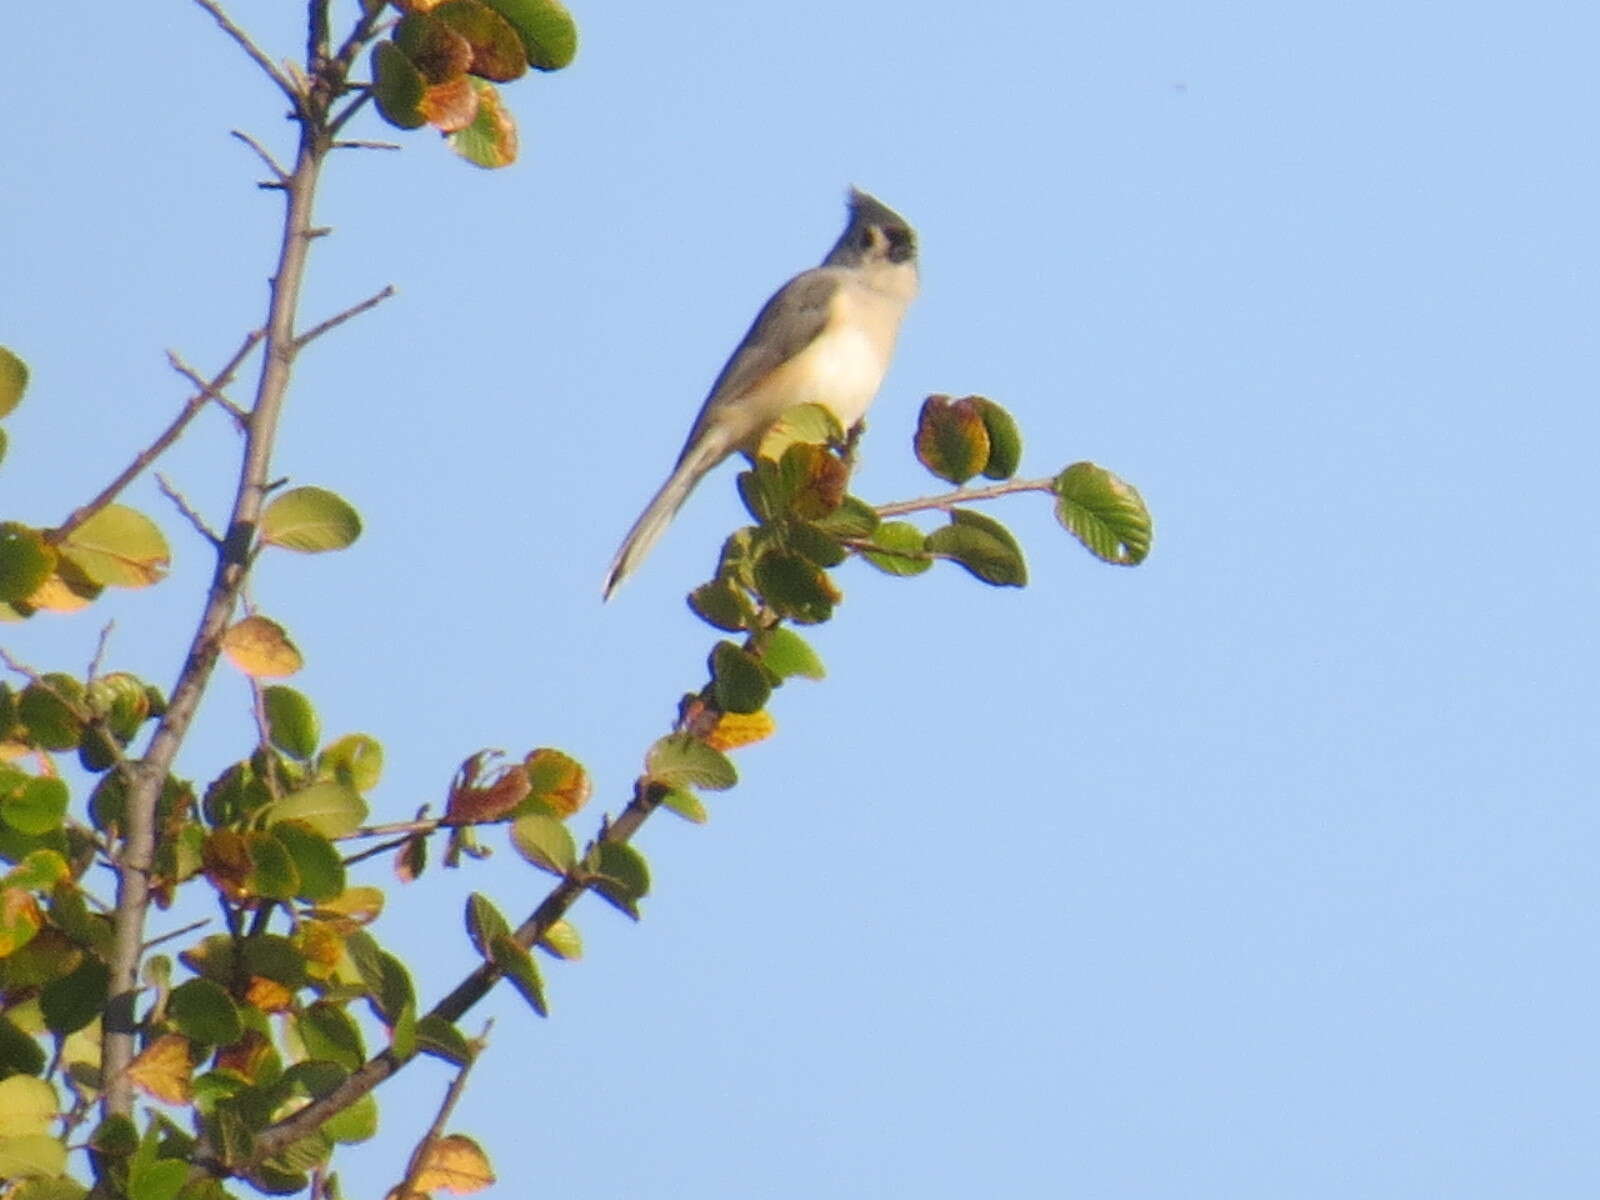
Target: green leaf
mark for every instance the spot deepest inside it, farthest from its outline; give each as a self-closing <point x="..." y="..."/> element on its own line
<point x="37" y="871"/>
<point x="54" y="1189"/>
<point x="38" y="808"/>
<point x="852" y="519"/>
<point x="26" y="561"/>
<point x="795" y="588"/>
<point x="19" y="1053"/>
<point x="272" y="873"/>
<point x="397" y="993"/>
<point x="331" y="1034"/>
<point x="291" y="721"/>
<point x="904" y="549"/>
<point x="1107" y="515"/>
<point x="355" y="760"/>
<point x="310" y="520"/>
<point x="721" y="605"/>
<point x="983" y="546"/>
<point x="485" y="922"/>
<point x="814" y="545"/>
<point x="545" y="842"/>
<point x="510" y="956"/>
<point x="679" y="760"/>
<point x="205" y="1013"/>
<point x="357" y="1122"/>
<point x="160" y="1180"/>
<point x="397" y="86"/>
<point x="1005" y="440"/>
<point x="491" y="139"/>
<point x="785" y="653"/>
<point x="316" y="861"/>
<point x="32" y="1155"/>
<point x="46" y="708"/>
<point x="738" y="680"/>
<point x="332" y="810"/>
<point x="562" y="941"/>
<point x="951" y="440"/>
<point x="74" y="1000"/>
<point x="118" y="547"/>
<point x="440" y="1038"/>
<point x="683" y="803"/>
<point x="549" y="36"/>
<point x="13" y="381"/>
<point x="619" y="874"/>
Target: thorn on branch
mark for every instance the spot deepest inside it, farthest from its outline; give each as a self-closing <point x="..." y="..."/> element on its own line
<point x="257" y="55"/>
<point x="183" y="506"/>
<point x="278" y="173"/>
<point x="338" y="319"/>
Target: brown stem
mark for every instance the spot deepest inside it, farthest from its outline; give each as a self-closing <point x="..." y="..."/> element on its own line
<point x="964" y="496"/>
<point x="148" y="776"/>
<point x="406" y="1188"/>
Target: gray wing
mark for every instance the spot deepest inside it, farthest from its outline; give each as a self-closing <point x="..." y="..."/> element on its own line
<point x="786" y="325"/>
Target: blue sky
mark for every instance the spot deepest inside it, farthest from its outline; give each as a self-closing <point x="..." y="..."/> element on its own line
<point x="1264" y="869"/>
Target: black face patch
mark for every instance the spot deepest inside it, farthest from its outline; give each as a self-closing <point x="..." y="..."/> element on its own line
<point x="902" y="243"/>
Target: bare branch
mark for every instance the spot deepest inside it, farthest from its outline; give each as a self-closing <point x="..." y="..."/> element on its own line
<point x="350" y="110"/>
<point x="98" y="660"/>
<point x="257" y="55"/>
<point x="182" y="505"/>
<point x="333" y="322"/>
<point x="949" y="500"/>
<point x="366" y="145"/>
<point x="176" y="933"/>
<point x="278" y="173"/>
<point x="406" y="1188"/>
<point x="155" y="449"/>
<point x="211" y="391"/>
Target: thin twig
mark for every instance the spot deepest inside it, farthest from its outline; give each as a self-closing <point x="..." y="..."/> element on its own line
<point x="964" y="496"/>
<point x="98" y="660"/>
<point x="156" y="448"/>
<point x="343" y="117"/>
<point x="374" y="851"/>
<point x="366" y="145"/>
<point x="421" y="825"/>
<point x="211" y="391"/>
<point x="176" y="933"/>
<point x="338" y="319"/>
<point x="278" y="173"/>
<point x="406" y="1189"/>
<point x="183" y="506"/>
<point x="273" y="71"/>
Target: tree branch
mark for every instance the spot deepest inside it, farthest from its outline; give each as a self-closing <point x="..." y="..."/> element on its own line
<point x="257" y="55"/>
<point x="207" y="391"/>
<point x="406" y="1188"/>
<point x="147" y="777"/>
<point x="949" y="500"/>
<point x="338" y="319"/>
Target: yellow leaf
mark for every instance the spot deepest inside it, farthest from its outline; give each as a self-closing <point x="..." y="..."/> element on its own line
<point x="455" y="1163"/>
<point x="162" y="1069"/>
<point x="57" y="595"/>
<point x="261" y="647"/>
<point x="740" y="729"/>
<point x="559" y="781"/>
<point x="359" y="904"/>
<point x="320" y="942"/>
<point x="268" y="994"/>
<point x="118" y="547"/>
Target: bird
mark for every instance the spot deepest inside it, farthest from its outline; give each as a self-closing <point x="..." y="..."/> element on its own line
<point x="826" y="337"/>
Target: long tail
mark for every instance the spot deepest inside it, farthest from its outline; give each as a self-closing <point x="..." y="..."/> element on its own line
<point x="658" y="514"/>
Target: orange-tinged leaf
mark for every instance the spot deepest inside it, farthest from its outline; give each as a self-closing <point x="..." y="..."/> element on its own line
<point x="740" y="729"/>
<point x="468" y="804"/>
<point x="497" y="52"/>
<point x="225" y="857"/>
<point x="246" y="1057"/>
<point x="559" y="782"/>
<point x="323" y="947"/>
<point x="951" y="439"/>
<point x="260" y="647"/>
<point x="20" y="919"/>
<point x="59" y="595"/>
<point x="450" y="106"/>
<point x="490" y="139"/>
<point x="455" y="1163"/>
<point x="163" y="1068"/>
<point x="439" y="53"/>
<point x="268" y="994"/>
